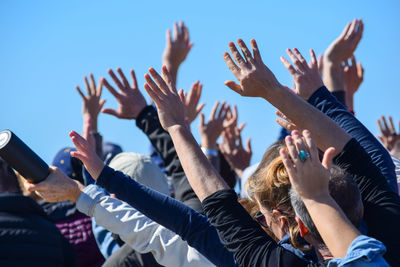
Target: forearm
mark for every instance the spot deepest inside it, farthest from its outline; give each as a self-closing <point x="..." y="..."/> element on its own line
<point x="326" y="132"/>
<point x="330" y="220"/>
<point x="333" y="76"/>
<point x="323" y="100"/>
<point x="202" y="176"/>
<point x="179" y="218"/>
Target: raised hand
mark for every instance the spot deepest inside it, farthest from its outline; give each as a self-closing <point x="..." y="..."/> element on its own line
<point x="130" y="99"/>
<point x="192" y="106"/>
<point x="353" y="77"/>
<point x="170" y="107"/>
<point x="211" y="130"/>
<point x="176" y="48"/>
<point x="285" y="122"/>
<point x="308" y="176"/>
<point x="232" y="148"/>
<point x="345" y="45"/>
<point x="255" y="79"/>
<point x="307" y="78"/>
<point x="390" y="138"/>
<point x="57" y="187"/>
<point x="87" y="154"/>
<point x="91" y="102"/>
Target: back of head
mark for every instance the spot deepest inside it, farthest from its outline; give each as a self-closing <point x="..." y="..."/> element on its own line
<point x="343" y="190"/>
<point x="8" y="179"/>
<point x="141" y="169"/>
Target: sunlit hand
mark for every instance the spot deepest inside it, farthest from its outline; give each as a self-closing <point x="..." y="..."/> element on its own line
<point x="307" y="78"/>
<point x="345" y="45"/>
<point x="176" y="48"/>
<point x="192" y="106"/>
<point x="87" y="154"/>
<point x="255" y="79"/>
<point x="389" y="135"/>
<point x="57" y="187"/>
<point x="211" y="130"/>
<point x="285" y="122"/>
<point x="91" y="102"/>
<point x="353" y="76"/>
<point x="233" y="151"/>
<point x="310" y="177"/>
<point x="130" y="99"/>
<point x="170" y="107"/>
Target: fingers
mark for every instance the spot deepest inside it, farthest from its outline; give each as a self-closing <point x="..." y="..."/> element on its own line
<point x="299" y="141"/>
<point x="99" y="89"/>
<point x="168" y="37"/>
<point x="115" y="79"/>
<point x="154" y="94"/>
<point x="241" y="126"/>
<point x="327" y="159"/>
<point x="296" y="61"/>
<point x="201" y="123"/>
<point x="300" y="57"/>
<point x="234" y="86"/>
<point x="124" y="80"/>
<point x="248" y="146"/>
<point x="82" y="143"/>
<point x="222" y="111"/>
<point x="176" y="31"/>
<point x="213" y="111"/>
<point x="134" y="81"/>
<point x="392" y="129"/>
<point x="89" y="92"/>
<point x="168" y="79"/>
<point x="285" y="124"/>
<point x="360" y="71"/>
<point x="159" y="80"/>
<point x="289" y="165"/>
<point x="231" y="65"/>
<point x="245" y="50"/>
<point x="288" y="66"/>
<point x="92" y="84"/>
<point x="181" y="95"/>
<point x="380" y="126"/>
<point x="345" y="31"/>
<point x="312" y="148"/>
<point x="110" y="111"/>
<point x="291" y="148"/>
<point x="385" y="123"/>
<point x="313" y="62"/>
<point x="110" y="88"/>
<point x="256" y="52"/>
<point x="80" y="92"/>
<point x="200" y="108"/>
<point x="236" y="54"/>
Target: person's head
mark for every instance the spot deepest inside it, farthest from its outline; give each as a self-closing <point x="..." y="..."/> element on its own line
<point x="142" y="169"/>
<point x="69" y="165"/>
<point x="8" y="179"/>
<point x="344" y="191"/>
<point x="269" y="187"/>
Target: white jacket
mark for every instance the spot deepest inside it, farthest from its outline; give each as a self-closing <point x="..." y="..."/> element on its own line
<point x="135" y="229"/>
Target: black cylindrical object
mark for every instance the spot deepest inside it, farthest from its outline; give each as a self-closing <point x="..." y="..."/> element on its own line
<point x="22" y="158"/>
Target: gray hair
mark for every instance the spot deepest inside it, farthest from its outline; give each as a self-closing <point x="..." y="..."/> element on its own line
<point x="343" y="190"/>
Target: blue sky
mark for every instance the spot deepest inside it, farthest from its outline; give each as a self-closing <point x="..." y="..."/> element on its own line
<point x="47" y="47"/>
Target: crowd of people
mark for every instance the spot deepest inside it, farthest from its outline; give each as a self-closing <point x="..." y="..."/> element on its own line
<point x="326" y="193"/>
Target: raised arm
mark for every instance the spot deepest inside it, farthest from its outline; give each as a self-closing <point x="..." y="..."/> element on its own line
<point x="256" y="80"/>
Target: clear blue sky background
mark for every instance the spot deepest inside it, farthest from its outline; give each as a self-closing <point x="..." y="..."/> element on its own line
<point x="46" y="47"/>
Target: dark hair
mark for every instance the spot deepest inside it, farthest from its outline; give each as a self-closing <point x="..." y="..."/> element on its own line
<point x="343" y="190"/>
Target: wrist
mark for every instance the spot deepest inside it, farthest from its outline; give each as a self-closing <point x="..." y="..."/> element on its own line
<point x="209" y="151"/>
<point x="208" y="144"/>
<point x="76" y="191"/>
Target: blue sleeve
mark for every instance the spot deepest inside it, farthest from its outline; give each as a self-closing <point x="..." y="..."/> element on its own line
<point x="106" y="243"/>
<point x="190" y="225"/>
<point x="323" y="100"/>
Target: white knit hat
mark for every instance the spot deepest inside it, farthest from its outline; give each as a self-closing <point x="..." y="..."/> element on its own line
<point x="141" y="169"/>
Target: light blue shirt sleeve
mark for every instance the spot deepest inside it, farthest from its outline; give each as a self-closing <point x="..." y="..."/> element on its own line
<point x="364" y="251"/>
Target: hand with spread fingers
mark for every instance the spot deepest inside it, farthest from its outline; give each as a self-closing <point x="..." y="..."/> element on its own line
<point x="192" y="106"/>
<point x="307" y="78"/>
<point x="57" y="187"/>
<point x="232" y="148"/>
<point x="344" y="46"/>
<point x="170" y="107"/>
<point x="177" y="48"/>
<point x="211" y="130"/>
<point x="130" y="99"/>
<point x="285" y="122"/>
<point x="87" y="154"/>
<point x="92" y="104"/>
<point x="353" y="77"/>
<point x="308" y="176"/>
<point x="389" y="136"/>
<point x="255" y="79"/>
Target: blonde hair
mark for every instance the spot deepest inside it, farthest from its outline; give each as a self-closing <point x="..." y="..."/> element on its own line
<point x="270" y="185"/>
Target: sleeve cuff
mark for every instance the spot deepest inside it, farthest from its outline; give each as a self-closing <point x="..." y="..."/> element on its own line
<point x="313" y="100"/>
<point x="148" y="110"/>
<point x="104" y="178"/>
<point x="89" y="198"/>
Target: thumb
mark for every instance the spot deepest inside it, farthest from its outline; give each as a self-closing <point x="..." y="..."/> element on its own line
<point x="110" y="111"/>
<point x="201" y="123"/>
<point x="328" y="156"/>
<point x="234" y="86"/>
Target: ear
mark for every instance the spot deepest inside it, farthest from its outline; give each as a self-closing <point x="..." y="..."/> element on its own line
<point x="302" y="228"/>
<point x="282" y="219"/>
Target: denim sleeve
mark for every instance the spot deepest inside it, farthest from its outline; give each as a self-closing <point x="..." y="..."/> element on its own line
<point x="323" y="100"/>
<point x="192" y="226"/>
<point x="364" y="251"/>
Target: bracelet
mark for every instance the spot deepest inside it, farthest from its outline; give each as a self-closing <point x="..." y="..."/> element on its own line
<point x="209" y="151"/>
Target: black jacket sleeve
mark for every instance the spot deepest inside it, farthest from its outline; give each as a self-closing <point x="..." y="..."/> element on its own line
<point x="149" y="123"/>
<point x="381" y="204"/>
<point x="241" y="235"/>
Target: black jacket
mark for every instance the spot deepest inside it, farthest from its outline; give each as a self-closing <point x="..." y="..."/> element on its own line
<point x="28" y="238"/>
